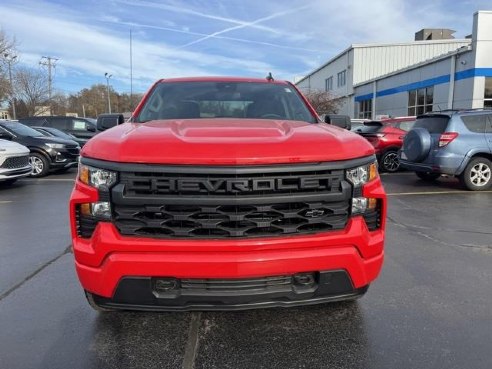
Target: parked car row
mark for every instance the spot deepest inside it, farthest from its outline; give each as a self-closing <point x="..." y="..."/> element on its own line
<point x="37" y="146"/>
<point x="46" y="152"/>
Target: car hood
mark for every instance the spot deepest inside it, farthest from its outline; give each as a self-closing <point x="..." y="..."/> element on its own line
<point x="10" y="147"/>
<point x="58" y="140"/>
<point x="225" y="142"/>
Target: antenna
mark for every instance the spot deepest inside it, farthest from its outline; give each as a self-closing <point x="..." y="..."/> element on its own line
<point x="270" y="77"/>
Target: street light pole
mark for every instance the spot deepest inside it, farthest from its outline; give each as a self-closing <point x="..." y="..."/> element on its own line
<point x="108" y="76"/>
<point x="10" y="59"/>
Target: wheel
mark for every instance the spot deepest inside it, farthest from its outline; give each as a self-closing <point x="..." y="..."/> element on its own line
<point x="390" y="162"/>
<point x="90" y="299"/>
<point x="427" y="176"/>
<point x="39" y="164"/>
<point x="477" y="175"/>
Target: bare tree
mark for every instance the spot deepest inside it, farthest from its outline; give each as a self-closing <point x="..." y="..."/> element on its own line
<point x="323" y="102"/>
<point x="7" y="49"/>
<point x="31" y="88"/>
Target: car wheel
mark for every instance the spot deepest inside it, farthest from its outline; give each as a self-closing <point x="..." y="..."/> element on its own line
<point x="390" y="162"/>
<point x="477" y="175"/>
<point x="90" y="299"/>
<point x="39" y="164"/>
<point x="427" y="176"/>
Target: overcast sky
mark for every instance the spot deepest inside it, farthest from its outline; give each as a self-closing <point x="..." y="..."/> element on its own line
<point x="212" y="37"/>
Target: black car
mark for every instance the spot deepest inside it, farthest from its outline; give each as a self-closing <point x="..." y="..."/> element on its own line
<point x="82" y="128"/>
<point x="47" y="154"/>
<point x="54" y="132"/>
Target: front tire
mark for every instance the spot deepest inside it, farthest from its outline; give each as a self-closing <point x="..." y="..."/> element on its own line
<point x="428" y="176"/>
<point x="390" y="162"/>
<point x="40" y="165"/>
<point x="477" y="175"/>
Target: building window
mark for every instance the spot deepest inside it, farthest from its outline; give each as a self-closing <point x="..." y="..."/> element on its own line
<point x="365" y="109"/>
<point x="487" y="96"/>
<point x="329" y="84"/>
<point x="342" y="78"/>
<point x="420" y="101"/>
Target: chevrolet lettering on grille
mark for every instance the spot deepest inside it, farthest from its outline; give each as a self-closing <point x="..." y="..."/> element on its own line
<point x="170" y="185"/>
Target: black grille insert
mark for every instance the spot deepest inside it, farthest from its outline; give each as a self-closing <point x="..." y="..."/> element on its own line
<point x="15" y="162"/>
<point x="230" y="202"/>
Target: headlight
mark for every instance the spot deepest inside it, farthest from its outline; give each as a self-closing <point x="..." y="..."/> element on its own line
<point x="95" y="177"/>
<point x="361" y="175"/>
<point x="55" y="146"/>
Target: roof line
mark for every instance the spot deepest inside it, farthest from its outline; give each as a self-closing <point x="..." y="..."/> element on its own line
<point x="360" y="46"/>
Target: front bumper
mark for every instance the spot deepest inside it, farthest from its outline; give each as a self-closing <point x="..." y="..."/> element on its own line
<point x="119" y="270"/>
<point x="15" y="173"/>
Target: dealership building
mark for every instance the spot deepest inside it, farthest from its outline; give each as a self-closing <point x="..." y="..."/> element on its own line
<point x="435" y="72"/>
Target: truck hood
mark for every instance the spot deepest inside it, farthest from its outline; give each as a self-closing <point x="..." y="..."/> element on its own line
<point x="225" y="142"/>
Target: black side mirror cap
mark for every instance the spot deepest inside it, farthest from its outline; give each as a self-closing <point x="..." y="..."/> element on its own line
<point x="90" y="128"/>
<point x="106" y="121"/>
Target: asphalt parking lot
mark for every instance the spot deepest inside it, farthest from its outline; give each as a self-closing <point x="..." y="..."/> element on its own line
<point x="430" y="308"/>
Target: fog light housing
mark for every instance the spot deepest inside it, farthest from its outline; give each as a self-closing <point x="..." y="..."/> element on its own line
<point x="100" y="210"/>
<point x="359" y="205"/>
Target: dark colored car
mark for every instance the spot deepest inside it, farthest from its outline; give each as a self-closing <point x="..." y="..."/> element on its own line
<point x="47" y="154"/>
<point x="82" y="128"/>
<point x="387" y="138"/>
<point x="455" y="143"/>
<point x="54" y="132"/>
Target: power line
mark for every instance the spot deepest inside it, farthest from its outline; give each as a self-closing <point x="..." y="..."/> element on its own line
<point x="50" y="62"/>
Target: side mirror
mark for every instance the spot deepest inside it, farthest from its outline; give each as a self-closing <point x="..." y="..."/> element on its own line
<point x="106" y="121"/>
<point x="5" y="136"/>
<point x="90" y="128"/>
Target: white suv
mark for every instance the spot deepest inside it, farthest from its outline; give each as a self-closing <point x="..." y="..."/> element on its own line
<point x="14" y="162"/>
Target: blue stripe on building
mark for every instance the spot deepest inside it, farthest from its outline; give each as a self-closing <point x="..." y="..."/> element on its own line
<point x="469" y="73"/>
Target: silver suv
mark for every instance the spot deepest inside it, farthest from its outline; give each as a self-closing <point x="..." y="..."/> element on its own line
<point x="457" y="143"/>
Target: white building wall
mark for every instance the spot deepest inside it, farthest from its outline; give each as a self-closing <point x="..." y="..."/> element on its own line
<point x="372" y="61"/>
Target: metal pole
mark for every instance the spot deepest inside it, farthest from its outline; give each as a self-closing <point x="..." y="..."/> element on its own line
<point x="131" y="73"/>
<point x="108" y="76"/>
<point x="10" y="59"/>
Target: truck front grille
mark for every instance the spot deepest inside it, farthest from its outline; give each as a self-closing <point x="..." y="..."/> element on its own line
<point x="231" y="202"/>
<point x="224" y="221"/>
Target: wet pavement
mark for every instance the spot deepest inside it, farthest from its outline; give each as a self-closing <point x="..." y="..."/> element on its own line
<point x="430" y="308"/>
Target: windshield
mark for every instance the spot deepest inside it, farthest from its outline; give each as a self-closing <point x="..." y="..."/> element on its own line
<point x="435" y="124"/>
<point x="58" y="133"/>
<point x="195" y="100"/>
<point x="20" y="129"/>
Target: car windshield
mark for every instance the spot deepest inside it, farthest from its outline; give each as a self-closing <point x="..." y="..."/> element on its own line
<point x="58" y="133"/>
<point x="195" y="100"/>
<point x="21" y="130"/>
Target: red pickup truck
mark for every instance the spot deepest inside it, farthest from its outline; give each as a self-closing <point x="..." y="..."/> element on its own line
<point x="226" y="193"/>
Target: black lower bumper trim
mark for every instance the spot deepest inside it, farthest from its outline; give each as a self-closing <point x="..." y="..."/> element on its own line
<point x="139" y="293"/>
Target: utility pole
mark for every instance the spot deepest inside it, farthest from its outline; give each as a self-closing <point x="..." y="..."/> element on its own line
<point x="10" y="59"/>
<point x="108" y="76"/>
<point x="49" y="62"/>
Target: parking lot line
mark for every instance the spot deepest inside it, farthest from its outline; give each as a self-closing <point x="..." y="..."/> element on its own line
<point x="436" y="193"/>
<point x="5" y="201"/>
